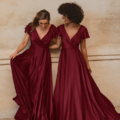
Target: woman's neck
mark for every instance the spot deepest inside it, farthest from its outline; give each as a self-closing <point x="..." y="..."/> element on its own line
<point x="71" y="25"/>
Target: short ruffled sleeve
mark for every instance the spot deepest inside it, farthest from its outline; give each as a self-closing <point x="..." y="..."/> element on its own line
<point x="28" y="28"/>
<point x="54" y="32"/>
<point x="57" y="32"/>
<point x="85" y="33"/>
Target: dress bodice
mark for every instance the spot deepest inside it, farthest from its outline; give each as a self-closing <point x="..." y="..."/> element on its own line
<point x="35" y="39"/>
<point x="82" y="33"/>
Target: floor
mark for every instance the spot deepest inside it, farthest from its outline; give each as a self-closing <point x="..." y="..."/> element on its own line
<point x="118" y="110"/>
<point x="7" y="119"/>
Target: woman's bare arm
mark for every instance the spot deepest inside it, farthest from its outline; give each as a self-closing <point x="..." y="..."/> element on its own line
<point x="57" y="44"/>
<point x="21" y="46"/>
<point x="54" y="40"/>
<point x="84" y="52"/>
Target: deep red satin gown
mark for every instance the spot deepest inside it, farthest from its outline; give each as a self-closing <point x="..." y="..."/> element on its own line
<point x="33" y="78"/>
<point x="76" y="96"/>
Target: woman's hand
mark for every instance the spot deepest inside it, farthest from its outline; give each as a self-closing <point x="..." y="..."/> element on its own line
<point x="12" y="56"/>
<point x="21" y="46"/>
<point x="89" y="68"/>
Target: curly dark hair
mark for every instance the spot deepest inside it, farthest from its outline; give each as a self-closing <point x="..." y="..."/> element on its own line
<point x="73" y="12"/>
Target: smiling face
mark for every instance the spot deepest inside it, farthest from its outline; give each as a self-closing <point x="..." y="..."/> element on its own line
<point x="66" y="20"/>
<point x="43" y="23"/>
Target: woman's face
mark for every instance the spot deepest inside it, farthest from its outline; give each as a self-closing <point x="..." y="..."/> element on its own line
<point x="66" y="20"/>
<point x="43" y="23"/>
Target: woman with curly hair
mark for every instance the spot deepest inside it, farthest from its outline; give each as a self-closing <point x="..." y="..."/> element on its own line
<point x="32" y="71"/>
<point x="76" y="95"/>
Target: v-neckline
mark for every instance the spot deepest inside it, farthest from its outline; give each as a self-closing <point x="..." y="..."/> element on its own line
<point x="73" y="35"/>
<point x="45" y="34"/>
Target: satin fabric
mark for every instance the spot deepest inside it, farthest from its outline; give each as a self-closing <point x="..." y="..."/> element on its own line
<point x="76" y="95"/>
<point x="33" y="78"/>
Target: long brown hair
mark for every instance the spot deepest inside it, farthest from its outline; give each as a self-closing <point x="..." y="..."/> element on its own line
<point x="41" y="15"/>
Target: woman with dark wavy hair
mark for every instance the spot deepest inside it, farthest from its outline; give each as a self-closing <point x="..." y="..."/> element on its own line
<point x="32" y="71"/>
<point x="76" y="95"/>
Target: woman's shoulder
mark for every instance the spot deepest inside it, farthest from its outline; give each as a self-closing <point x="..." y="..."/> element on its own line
<point x="83" y="27"/>
<point x="29" y="24"/>
<point x="57" y="26"/>
<point x="85" y="33"/>
<point x="53" y="26"/>
<point x="60" y="26"/>
<point x="28" y="28"/>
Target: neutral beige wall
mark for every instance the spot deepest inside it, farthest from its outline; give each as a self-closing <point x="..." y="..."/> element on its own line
<point x="102" y="19"/>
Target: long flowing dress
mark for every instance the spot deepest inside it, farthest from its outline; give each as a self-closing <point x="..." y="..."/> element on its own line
<point x="33" y="78"/>
<point x="76" y="95"/>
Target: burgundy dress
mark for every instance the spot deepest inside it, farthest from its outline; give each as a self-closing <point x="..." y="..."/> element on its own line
<point x="33" y="78"/>
<point x="76" y="96"/>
